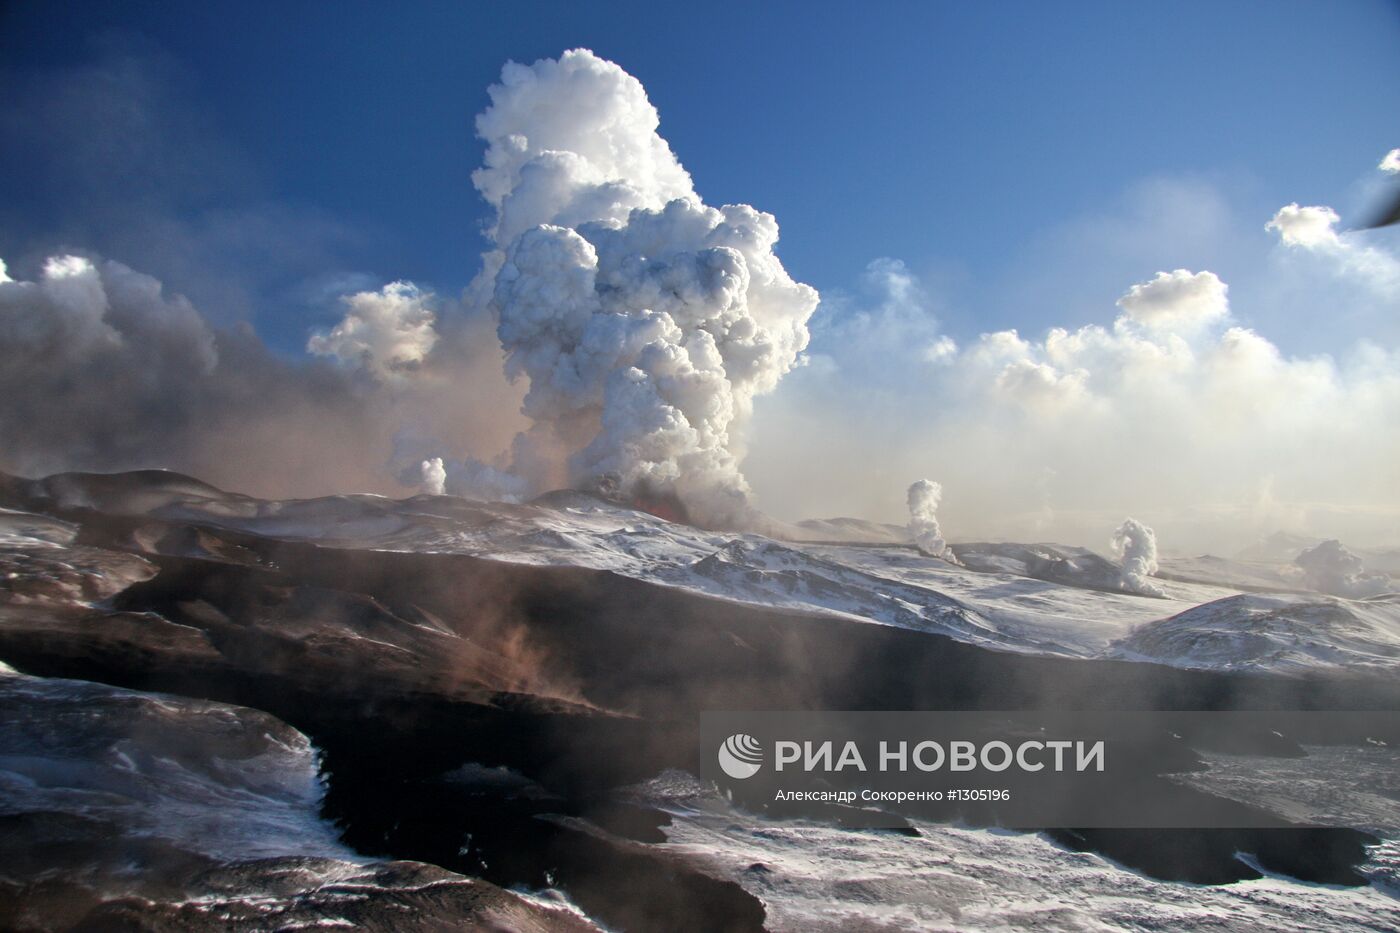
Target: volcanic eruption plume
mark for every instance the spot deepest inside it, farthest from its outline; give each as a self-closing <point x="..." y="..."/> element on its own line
<point x="924" y="496"/>
<point x="646" y="321"/>
<point x="1136" y="547"/>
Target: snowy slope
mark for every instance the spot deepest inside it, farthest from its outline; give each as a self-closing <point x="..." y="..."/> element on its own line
<point x="132" y="810"/>
<point x="137" y="760"/>
<point x="815" y="877"/>
<point x="1274" y="632"/>
<point x="1043" y="598"/>
<point x="885" y="584"/>
<point x="225" y="781"/>
<point x="1076" y="621"/>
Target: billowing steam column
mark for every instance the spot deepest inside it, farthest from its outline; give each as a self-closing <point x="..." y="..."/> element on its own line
<point x="434" y="477"/>
<point x="645" y="320"/>
<point x="924" y="496"/>
<point x="1136" y="547"/>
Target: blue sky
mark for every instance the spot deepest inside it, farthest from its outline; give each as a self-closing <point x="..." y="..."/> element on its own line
<point x="989" y="146"/>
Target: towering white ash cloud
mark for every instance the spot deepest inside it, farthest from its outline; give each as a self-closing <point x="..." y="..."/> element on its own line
<point x="924" y="496"/>
<point x="1136" y="547"/>
<point x="646" y="321"/>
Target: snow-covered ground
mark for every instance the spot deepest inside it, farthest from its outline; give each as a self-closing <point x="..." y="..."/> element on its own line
<point x="25" y="529"/>
<point x="1043" y="598"/>
<point x="815" y="877"/>
<point x="888" y="584"/>
<point x="220" y="780"/>
<point x="1307" y="790"/>
<point x="1041" y="615"/>
<point x="1283" y="632"/>
<point x="194" y="815"/>
<point x="1207" y="624"/>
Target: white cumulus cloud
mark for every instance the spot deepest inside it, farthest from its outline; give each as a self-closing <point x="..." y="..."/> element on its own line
<point x="1308" y="227"/>
<point x="1172" y="410"/>
<point x="386" y="333"/>
<point x="1176" y="300"/>
<point x="1314" y="229"/>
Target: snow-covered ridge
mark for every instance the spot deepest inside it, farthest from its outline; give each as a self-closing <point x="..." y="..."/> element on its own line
<point x="1040" y="598"/>
<point x="224" y="781"/>
<point x="1274" y="632"/>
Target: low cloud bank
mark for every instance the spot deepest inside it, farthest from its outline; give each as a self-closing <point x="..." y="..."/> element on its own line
<point x="101" y="369"/>
<point x="1330" y="568"/>
<point x="1176" y="410"/>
